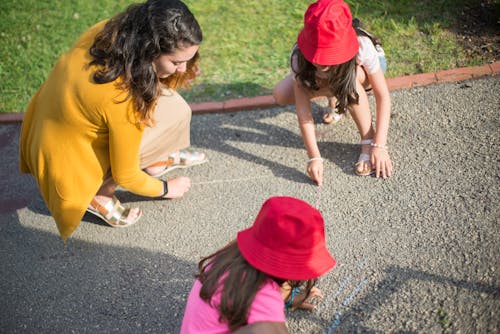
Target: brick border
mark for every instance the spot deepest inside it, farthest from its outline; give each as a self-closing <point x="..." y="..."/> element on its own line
<point x="267" y="101"/>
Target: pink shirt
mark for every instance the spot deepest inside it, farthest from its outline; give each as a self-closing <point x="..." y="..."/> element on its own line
<point x="201" y="318"/>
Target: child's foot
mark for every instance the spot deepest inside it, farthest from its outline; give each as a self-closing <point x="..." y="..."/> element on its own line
<point x="330" y="117"/>
<point x="364" y="167"/>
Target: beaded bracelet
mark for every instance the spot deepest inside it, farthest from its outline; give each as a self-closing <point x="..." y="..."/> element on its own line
<point x="295" y="291"/>
<point x="315" y="159"/>
<point x="383" y="147"/>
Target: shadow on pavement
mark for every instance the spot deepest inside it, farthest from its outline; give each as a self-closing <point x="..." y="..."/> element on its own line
<point x="225" y="133"/>
<point x="87" y="287"/>
<point x="349" y="317"/>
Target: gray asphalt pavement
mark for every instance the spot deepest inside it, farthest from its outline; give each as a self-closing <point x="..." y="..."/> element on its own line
<point x="418" y="253"/>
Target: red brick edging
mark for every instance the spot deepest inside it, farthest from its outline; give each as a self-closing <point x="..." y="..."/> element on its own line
<point x="267" y="101"/>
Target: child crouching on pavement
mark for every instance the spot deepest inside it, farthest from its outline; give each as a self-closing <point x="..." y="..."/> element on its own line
<point x="335" y="57"/>
<point x="246" y="286"/>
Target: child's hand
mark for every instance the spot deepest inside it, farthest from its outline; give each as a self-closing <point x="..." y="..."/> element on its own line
<point x="315" y="171"/>
<point x="381" y="162"/>
<point x="303" y="301"/>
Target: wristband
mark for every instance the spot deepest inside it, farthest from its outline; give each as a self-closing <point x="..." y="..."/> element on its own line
<point x="315" y="159"/>
<point x="165" y="188"/>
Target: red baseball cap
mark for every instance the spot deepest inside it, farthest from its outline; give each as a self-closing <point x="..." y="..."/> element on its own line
<point x="287" y="240"/>
<point x="328" y="37"/>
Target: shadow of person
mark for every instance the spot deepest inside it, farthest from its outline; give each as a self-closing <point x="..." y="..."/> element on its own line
<point x="396" y="279"/>
<point x="226" y="132"/>
<point x="17" y="190"/>
<point x="87" y="287"/>
<point x="341" y="154"/>
<point x="269" y="129"/>
<point x="350" y="317"/>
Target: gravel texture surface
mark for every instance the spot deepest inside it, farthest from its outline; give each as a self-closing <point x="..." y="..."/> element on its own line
<point x="418" y="253"/>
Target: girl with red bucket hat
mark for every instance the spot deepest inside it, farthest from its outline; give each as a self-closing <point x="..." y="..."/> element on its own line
<point x="245" y="286"/>
<point x="333" y="59"/>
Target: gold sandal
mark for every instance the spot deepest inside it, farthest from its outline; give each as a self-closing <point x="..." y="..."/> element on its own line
<point x="113" y="213"/>
<point x="332" y="117"/>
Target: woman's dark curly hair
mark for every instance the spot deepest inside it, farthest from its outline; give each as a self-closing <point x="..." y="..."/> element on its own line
<point x="133" y="39"/>
<point x="241" y="282"/>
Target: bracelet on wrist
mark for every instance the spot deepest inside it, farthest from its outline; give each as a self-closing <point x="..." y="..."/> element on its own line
<point x="165" y="188"/>
<point x="383" y="147"/>
<point x="315" y="159"/>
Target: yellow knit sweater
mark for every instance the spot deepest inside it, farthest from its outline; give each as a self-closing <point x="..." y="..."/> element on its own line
<point x="75" y="132"/>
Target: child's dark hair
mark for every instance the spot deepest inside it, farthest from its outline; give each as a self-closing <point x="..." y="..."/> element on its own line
<point x="240" y="286"/>
<point x="341" y="79"/>
<point x="132" y="40"/>
<point x="360" y="31"/>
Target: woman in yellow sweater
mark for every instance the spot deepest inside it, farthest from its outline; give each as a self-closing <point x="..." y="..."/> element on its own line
<point x="109" y="115"/>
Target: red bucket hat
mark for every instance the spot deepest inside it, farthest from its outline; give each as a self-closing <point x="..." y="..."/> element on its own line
<point x="287" y="240"/>
<point x="328" y="37"/>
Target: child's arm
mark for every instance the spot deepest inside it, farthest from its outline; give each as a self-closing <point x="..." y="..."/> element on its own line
<point x="306" y="125"/>
<point x="379" y="155"/>
<point x="264" y="327"/>
<point x="301" y="298"/>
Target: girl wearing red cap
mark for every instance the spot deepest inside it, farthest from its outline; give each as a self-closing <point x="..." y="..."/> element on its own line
<point x="246" y="286"/>
<point x="333" y="59"/>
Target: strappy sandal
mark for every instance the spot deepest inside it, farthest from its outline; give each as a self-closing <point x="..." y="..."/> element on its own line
<point x="113" y="213"/>
<point x="364" y="157"/>
<point x="331" y="117"/>
<point x="184" y="158"/>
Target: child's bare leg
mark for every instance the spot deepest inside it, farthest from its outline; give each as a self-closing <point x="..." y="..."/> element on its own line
<point x="362" y="116"/>
<point x="330" y="115"/>
<point x="283" y="92"/>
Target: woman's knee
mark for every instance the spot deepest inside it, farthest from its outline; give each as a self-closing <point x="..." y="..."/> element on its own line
<point x="178" y="108"/>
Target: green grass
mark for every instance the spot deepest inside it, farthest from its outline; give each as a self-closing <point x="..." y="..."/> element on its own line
<point x="246" y="43"/>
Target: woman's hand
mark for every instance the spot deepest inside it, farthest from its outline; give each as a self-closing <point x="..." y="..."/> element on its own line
<point x="315" y="171"/>
<point x="381" y="162"/>
<point x="178" y="187"/>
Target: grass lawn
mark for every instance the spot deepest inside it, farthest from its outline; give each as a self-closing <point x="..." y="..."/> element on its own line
<point x="246" y="42"/>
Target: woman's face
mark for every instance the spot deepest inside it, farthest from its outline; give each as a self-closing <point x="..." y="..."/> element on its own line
<point x="176" y="61"/>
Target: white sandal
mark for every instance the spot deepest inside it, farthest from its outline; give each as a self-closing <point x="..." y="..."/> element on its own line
<point x="331" y="117"/>
<point x="364" y="157"/>
<point x="186" y="158"/>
